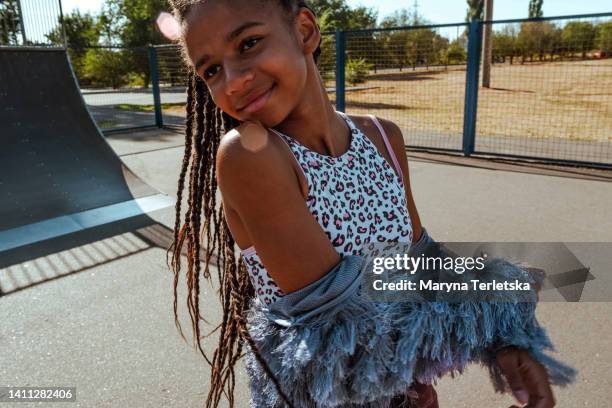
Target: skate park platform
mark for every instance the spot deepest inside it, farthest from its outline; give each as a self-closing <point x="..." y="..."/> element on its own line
<point x="59" y="176"/>
<point x="96" y="312"/>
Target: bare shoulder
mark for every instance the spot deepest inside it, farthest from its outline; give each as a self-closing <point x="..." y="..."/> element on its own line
<point x="394" y="133"/>
<point x="247" y="155"/>
<point x="256" y="179"/>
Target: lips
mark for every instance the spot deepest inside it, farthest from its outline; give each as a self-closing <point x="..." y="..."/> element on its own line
<point x="256" y="101"/>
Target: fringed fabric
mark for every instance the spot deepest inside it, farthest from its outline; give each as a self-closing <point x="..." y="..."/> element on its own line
<point x="349" y="351"/>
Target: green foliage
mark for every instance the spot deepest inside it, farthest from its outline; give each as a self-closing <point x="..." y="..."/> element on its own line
<point x="604" y="37"/>
<point x="401" y="48"/>
<point x="357" y="71"/>
<point x="454" y="54"/>
<point x="539" y="38"/>
<point x="505" y="44"/>
<point x="340" y="15"/>
<point x="146" y="108"/>
<point x="535" y="9"/>
<point x="135" y="79"/>
<point x="104" y="67"/>
<point x="326" y="62"/>
<point x="132" y="23"/>
<point x="578" y="36"/>
<point x="475" y="10"/>
<point x="10" y="28"/>
<point x="81" y="32"/>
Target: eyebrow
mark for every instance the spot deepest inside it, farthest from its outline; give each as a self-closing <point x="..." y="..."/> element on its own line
<point x="235" y="33"/>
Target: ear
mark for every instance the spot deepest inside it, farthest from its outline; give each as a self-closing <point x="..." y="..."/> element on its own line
<point x="309" y="35"/>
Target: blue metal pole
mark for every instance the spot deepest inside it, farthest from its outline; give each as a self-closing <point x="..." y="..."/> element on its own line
<point x="340" y="70"/>
<point x="159" y="121"/>
<point x="471" y="87"/>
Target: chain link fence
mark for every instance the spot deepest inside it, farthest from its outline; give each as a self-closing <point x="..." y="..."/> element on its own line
<point x="549" y="97"/>
<point x="414" y="76"/>
<point x="116" y="84"/>
<point x="550" y="94"/>
<point x="31" y="23"/>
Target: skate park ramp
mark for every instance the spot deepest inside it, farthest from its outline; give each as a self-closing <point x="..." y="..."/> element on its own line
<point x="60" y="181"/>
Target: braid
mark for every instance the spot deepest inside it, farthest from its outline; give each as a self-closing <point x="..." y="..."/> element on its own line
<point x="204" y="126"/>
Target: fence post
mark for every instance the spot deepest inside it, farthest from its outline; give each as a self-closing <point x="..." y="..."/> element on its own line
<point x="65" y="39"/>
<point x="471" y="86"/>
<point x="21" y="24"/>
<point x="340" y="70"/>
<point x="159" y="121"/>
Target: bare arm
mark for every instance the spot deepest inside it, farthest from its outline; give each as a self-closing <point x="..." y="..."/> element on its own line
<point x="258" y="183"/>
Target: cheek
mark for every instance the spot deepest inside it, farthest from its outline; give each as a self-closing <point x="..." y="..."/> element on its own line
<point x="290" y="73"/>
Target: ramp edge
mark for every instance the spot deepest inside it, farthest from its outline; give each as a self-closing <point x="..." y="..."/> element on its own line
<point x="66" y="224"/>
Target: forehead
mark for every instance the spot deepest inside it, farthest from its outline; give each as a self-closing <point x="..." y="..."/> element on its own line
<point x="208" y="25"/>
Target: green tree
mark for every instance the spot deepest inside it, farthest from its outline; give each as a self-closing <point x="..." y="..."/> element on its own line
<point x="535" y="9"/>
<point x="338" y="15"/>
<point x="341" y="16"/>
<point x="454" y="54"/>
<point x="604" y="37"/>
<point x="579" y="36"/>
<point x="475" y="10"/>
<point x="132" y="22"/>
<point x="10" y="26"/>
<point x="505" y="43"/>
<point x="81" y="32"/>
<point x="106" y="67"/>
<point x="412" y="46"/>
<point x="327" y="57"/>
<point x="357" y="71"/>
<point x="538" y="37"/>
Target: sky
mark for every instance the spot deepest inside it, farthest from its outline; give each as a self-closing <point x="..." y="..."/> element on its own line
<point x="436" y="11"/>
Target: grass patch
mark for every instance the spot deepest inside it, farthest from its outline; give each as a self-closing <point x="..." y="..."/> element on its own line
<point x="106" y="123"/>
<point x="146" y="108"/>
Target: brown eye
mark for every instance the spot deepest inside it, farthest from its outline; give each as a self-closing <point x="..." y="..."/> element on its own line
<point x="208" y="73"/>
<point x="251" y="41"/>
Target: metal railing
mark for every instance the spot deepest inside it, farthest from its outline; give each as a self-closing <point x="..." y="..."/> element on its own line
<point x="549" y="98"/>
<point x="31" y="23"/>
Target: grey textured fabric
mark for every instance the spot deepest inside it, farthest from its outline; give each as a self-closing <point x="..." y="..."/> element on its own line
<point x="341" y="282"/>
<point x="331" y="347"/>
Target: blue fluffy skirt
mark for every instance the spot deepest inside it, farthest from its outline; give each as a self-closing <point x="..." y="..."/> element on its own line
<point x="362" y="353"/>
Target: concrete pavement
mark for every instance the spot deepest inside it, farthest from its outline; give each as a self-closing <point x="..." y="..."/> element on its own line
<point x="99" y="316"/>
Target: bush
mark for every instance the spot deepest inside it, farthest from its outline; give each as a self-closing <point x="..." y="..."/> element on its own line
<point x="105" y="67"/>
<point x="604" y="37"/>
<point x="135" y="79"/>
<point x="357" y="70"/>
<point x="454" y="54"/>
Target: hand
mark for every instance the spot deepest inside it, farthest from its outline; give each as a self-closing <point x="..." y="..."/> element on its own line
<point x="527" y="378"/>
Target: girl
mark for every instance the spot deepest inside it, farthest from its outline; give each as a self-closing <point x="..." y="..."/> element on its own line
<point x="304" y="188"/>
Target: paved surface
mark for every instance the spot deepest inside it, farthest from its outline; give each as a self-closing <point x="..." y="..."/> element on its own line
<point x="99" y="316"/>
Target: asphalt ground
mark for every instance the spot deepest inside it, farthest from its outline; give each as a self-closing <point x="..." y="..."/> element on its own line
<point x="99" y="316"/>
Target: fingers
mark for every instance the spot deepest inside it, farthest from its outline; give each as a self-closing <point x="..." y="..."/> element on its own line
<point x="536" y="379"/>
<point x="526" y="377"/>
<point x="508" y="360"/>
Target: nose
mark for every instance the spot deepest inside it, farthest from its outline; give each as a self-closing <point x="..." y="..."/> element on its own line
<point x="236" y="77"/>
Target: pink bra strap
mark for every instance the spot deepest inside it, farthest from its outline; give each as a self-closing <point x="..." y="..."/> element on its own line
<point x="389" y="148"/>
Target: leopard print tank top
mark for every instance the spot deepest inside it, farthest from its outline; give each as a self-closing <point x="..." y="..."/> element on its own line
<point x="357" y="198"/>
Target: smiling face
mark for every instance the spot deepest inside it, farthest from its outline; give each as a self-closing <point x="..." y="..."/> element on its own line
<point x="254" y="61"/>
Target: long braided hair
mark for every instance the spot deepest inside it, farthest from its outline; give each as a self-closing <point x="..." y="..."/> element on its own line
<point x="204" y="125"/>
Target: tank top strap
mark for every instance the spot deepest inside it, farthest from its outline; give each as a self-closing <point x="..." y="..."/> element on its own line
<point x="388" y="145"/>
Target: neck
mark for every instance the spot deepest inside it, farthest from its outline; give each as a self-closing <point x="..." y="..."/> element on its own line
<point x="314" y="122"/>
